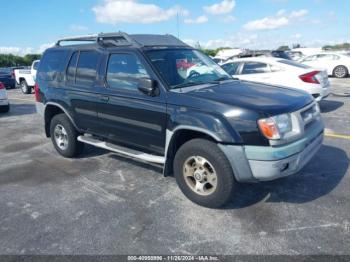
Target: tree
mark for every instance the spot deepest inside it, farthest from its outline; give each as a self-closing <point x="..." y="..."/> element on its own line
<point x="344" y="46"/>
<point x="7" y="60"/>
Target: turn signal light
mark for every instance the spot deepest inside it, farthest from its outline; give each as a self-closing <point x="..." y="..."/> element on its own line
<point x="269" y="128"/>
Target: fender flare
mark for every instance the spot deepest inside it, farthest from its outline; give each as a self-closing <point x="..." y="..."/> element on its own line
<point x="65" y="111"/>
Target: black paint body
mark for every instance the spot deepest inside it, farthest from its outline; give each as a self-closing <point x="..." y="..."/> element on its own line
<point x="229" y="111"/>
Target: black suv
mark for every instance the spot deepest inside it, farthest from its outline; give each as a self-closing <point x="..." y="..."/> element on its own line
<point x="156" y="99"/>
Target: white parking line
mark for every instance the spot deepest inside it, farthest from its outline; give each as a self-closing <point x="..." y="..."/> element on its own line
<point x="32" y="101"/>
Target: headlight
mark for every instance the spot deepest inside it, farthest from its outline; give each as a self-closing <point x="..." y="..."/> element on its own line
<point x="277" y="127"/>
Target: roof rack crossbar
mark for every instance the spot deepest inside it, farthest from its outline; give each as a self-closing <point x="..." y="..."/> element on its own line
<point x="83" y="38"/>
<point x="115" y="39"/>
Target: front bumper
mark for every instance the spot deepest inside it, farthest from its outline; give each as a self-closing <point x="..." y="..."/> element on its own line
<point x="264" y="163"/>
<point x="264" y="170"/>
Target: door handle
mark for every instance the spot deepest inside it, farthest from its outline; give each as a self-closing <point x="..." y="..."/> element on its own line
<point x="104" y="98"/>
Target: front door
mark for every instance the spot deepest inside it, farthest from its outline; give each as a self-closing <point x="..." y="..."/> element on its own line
<point x="127" y="115"/>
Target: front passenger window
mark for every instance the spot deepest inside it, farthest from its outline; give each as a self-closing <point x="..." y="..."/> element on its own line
<point x="124" y="71"/>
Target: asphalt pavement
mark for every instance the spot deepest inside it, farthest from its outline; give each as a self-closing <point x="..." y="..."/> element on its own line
<point x="102" y="203"/>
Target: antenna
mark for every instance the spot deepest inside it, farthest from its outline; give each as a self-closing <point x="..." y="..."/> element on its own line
<point x="178" y="25"/>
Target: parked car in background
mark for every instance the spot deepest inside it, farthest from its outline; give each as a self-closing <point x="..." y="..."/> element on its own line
<point x="337" y="65"/>
<point x="26" y="77"/>
<point x="282" y="72"/>
<point x="125" y="94"/>
<point x="280" y="54"/>
<point x="7" y="76"/>
<point x="295" y="55"/>
<point x="4" y="102"/>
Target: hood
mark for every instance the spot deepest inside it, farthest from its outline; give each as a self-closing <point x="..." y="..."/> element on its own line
<point x="265" y="99"/>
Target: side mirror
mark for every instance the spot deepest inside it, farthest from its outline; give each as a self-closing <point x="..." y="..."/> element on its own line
<point x="148" y="86"/>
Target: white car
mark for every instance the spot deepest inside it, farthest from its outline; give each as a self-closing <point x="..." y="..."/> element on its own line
<point x="281" y="72"/>
<point x="337" y="65"/>
<point x="26" y="77"/>
<point x="4" y="102"/>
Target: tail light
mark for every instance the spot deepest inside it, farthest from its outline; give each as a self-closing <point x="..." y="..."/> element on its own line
<point x="2" y="86"/>
<point x="37" y="93"/>
<point x="13" y="76"/>
<point x="310" y="77"/>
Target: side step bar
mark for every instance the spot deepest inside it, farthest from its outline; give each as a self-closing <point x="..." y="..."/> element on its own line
<point x="122" y="150"/>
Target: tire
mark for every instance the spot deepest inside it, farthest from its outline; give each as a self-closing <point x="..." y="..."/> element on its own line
<point x="4" y="109"/>
<point x="25" y="88"/>
<point x="340" y="72"/>
<point x="212" y="195"/>
<point x="66" y="144"/>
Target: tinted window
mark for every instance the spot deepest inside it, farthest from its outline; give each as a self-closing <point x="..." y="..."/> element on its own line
<point x="254" y="68"/>
<point x="51" y="64"/>
<point x="231" y="68"/>
<point x="124" y="70"/>
<point x="72" y="68"/>
<point x="87" y="67"/>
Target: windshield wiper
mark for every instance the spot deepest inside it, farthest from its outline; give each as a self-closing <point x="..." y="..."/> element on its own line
<point x="190" y="84"/>
<point x="223" y="78"/>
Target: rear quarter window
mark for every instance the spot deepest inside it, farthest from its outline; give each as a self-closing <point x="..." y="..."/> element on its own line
<point x="51" y="64"/>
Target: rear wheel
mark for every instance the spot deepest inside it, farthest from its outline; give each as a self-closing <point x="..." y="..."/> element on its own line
<point x="25" y="88"/>
<point x="64" y="136"/>
<point x="340" y="72"/>
<point x="203" y="173"/>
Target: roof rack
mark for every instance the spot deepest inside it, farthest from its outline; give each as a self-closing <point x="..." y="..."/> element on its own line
<point x="83" y="38"/>
<point x="103" y="39"/>
<point x="123" y="39"/>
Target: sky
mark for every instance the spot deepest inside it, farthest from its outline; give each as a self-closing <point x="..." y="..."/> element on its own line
<point x="32" y="26"/>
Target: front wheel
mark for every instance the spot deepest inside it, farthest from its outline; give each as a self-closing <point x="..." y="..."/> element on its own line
<point x="340" y="72"/>
<point x="64" y="136"/>
<point x="25" y="88"/>
<point x="203" y="173"/>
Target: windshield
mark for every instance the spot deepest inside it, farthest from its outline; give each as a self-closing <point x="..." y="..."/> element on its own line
<point x="186" y="67"/>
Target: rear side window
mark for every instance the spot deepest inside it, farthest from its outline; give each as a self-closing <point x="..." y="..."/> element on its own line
<point x="231" y="68"/>
<point x="87" y="68"/>
<point x="51" y="64"/>
<point x="255" y="68"/>
<point x="72" y="68"/>
<point x="124" y="71"/>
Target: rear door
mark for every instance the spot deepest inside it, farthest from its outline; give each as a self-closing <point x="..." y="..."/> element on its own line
<point x="127" y="115"/>
<point x="81" y="88"/>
